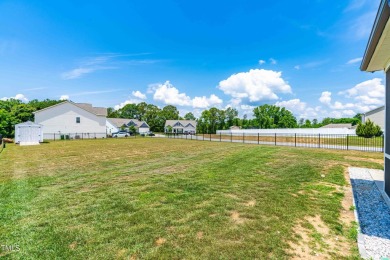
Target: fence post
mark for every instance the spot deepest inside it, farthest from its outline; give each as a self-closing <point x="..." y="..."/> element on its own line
<point x="210" y="137"/>
<point x="258" y="138"/>
<point x="54" y="136"/>
<point x="186" y="137"/>
<point x="319" y="140"/>
<point x="243" y="138"/>
<point x="295" y="139"/>
<point x="220" y="137"/>
<point x="203" y="136"/>
<point x="347" y="141"/>
<point x="383" y="143"/>
<point x="231" y="137"/>
<point x="275" y="139"/>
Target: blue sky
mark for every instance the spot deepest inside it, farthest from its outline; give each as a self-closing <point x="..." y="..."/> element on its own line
<point x="303" y="55"/>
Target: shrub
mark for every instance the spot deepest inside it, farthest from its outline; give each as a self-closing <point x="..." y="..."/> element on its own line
<point x="368" y="129"/>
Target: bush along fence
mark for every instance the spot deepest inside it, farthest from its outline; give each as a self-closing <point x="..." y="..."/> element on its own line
<point x="325" y="141"/>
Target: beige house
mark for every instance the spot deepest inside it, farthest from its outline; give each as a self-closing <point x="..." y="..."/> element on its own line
<point x="117" y="124"/>
<point x="377" y="116"/>
<point x="180" y="126"/>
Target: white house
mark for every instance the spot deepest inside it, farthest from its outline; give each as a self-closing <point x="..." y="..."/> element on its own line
<point x="116" y="124"/>
<point x="377" y="116"/>
<point x="73" y="120"/>
<point x="28" y="133"/>
<point x="180" y="126"/>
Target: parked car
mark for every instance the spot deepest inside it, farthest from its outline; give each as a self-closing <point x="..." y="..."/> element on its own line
<point x="121" y="134"/>
<point x="150" y="133"/>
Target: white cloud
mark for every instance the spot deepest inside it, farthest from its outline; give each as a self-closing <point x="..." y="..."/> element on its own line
<point x="363" y="97"/>
<point x="294" y="105"/>
<point x="261" y="62"/>
<point x="299" y="108"/>
<point x="368" y="92"/>
<point x="20" y="97"/>
<point x="129" y="101"/>
<point x="326" y="97"/>
<point x="64" y="97"/>
<point x="256" y="85"/>
<point x="138" y="94"/>
<point x="273" y="61"/>
<point x="204" y="102"/>
<point x="353" y="61"/>
<point x="297" y="67"/>
<point x="76" y="73"/>
<point x="170" y="95"/>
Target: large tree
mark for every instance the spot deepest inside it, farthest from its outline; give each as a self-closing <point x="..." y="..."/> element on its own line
<point x="170" y="112"/>
<point x="189" y="116"/>
<point x="271" y="116"/>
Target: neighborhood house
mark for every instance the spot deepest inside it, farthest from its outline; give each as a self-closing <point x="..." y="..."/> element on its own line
<point x="78" y="120"/>
<point x="117" y="124"/>
<point x="180" y="126"/>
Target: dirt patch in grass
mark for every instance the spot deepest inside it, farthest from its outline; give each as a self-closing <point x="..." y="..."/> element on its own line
<point x="250" y="203"/>
<point x="160" y="241"/>
<point x="316" y="240"/>
<point x="347" y="215"/>
<point x="235" y="216"/>
<point x="199" y="235"/>
<point x="354" y="158"/>
<point x="73" y="245"/>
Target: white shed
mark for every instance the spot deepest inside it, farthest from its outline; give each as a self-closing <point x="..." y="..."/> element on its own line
<point x="28" y="133"/>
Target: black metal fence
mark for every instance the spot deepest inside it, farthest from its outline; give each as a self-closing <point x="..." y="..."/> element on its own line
<point x="325" y="141"/>
<point x="72" y="136"/>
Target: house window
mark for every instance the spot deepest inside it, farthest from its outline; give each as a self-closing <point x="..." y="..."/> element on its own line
<point x="78" y="120"/>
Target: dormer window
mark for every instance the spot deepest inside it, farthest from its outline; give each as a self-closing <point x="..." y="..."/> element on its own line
<point x="78" y="120"/>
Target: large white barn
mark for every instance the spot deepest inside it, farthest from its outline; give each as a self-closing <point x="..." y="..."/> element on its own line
<point x="72" y="120"/>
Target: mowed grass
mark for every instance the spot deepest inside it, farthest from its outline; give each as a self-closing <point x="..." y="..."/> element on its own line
<point x="152" y="198"/>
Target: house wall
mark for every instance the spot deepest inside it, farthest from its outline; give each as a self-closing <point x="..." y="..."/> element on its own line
<point x="110" y="128"/>
<point x="378" y="118"/>
<point x="143" y="130"/>
<point x="62" y="118"/>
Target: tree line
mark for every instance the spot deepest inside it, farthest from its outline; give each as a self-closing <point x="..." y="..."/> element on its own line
<point x="14" y="111"/>
<point x="266" y="116"/>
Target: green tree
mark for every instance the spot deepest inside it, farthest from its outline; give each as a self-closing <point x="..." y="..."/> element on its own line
<point x="170" y="113"/>
<point x="189" y="116"/>
<point x="129" y="111"/>
<point x="368" y="129"/>
<point x="231" y="114"/>
<point x="271" y="116"/>
<point x="153" y="116"/>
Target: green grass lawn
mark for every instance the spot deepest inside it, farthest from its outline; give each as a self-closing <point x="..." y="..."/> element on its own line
<point x="163" y="198"/>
